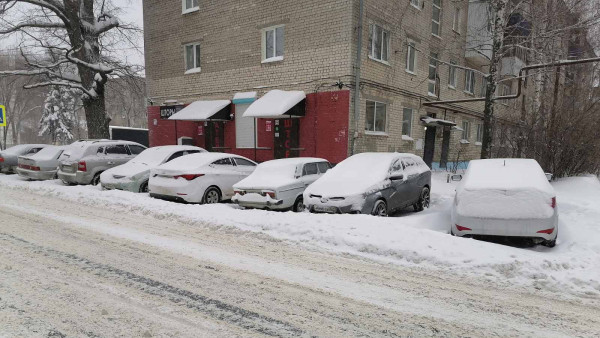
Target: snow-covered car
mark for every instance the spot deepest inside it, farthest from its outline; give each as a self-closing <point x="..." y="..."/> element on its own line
<point x="505" y="197"/>
<point x="42" y="165"/>
<point x="9" y="158"/>
<point x="372" y="183"/>
<point x="83" y="161"/>
<point x="199" y="178"/>
<point x="279" y="184"/>
<point x="135" y="174"/>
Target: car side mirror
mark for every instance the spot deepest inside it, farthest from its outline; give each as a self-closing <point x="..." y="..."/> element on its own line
<point x="397" y="177"/>
<point x="549" y="177"/>
<point x="456" y="178"/>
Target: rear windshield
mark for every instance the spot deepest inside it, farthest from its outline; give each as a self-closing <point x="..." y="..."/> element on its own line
<point x="47" y="152"/>
<point x="75" y="151"/>
<point x="15" y="150"/>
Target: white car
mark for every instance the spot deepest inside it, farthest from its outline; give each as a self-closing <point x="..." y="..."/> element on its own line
<point x="279" y="184"/>
<point x="134" y="175"/>
<point x="506" y="197"/>
<point x="199" y="178"/>
<point x="42" y="165"/>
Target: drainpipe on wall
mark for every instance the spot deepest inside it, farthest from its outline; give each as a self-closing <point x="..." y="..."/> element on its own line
<point x="357" y="76"/>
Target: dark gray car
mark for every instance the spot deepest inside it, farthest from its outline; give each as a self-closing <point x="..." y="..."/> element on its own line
<point x="84" y="161"/>
<point x="372" y="183"/>
<point x="9" y="157"/>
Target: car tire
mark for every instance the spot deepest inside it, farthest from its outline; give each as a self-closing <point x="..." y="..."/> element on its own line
<point x="550" y="244"/>
<point x="96" y="179"/>
<point x="424" y="200"/>
<point x="212" y="195"/>
<point x="299" y="205"/>
<point x="380" y="209"/>
<point x="144" y="187"/>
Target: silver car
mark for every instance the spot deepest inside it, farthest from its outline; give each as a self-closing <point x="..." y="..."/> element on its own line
<point x="9" y="158"/>
<point x="505" y="197"/>
<point x="83" y="161"/>
<point x="279" y="184"/>
<point x="42" y="165"/>
<point x="134" y="175"/>
<point x="372" y="183"/>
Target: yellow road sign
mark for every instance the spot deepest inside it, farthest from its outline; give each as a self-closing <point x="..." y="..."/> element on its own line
<point x="2" y="116"/>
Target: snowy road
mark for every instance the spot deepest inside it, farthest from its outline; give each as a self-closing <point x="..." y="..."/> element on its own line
<point x="69" y="268"/>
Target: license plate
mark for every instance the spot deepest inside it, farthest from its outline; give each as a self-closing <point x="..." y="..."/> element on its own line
<point x="331" y="210"/>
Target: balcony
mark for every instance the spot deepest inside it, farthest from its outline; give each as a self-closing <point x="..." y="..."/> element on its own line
<point x="479" y="34"/>
<point x="514" y="59"/>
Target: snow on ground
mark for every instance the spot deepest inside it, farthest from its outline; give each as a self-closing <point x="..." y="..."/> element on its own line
<point x="411" y="239"/>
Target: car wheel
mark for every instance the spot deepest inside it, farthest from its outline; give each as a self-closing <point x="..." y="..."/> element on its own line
<point x="211" y="196"/>
<point x="299" y="205"/>
<point x="380" y="209"/>
<point x="96" y="179"/>
<point x="144" y="187"/>
<point x="424" y="200"/>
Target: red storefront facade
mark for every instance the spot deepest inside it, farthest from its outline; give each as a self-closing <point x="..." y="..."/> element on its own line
<point x="321" y="132"/>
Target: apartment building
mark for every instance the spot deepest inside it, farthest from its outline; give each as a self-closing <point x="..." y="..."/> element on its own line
<point x="269" y="79"/>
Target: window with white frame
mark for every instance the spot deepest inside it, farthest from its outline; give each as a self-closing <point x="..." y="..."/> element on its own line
<point x="456" y="21"/>
<point x="452" y="74"/>
<point x="416" y="3"/>
<point x="432" y="79"/>
<point x="436" y="17"/>
<point x="411" y="57"/>
<point x="376" y="120"/>
<point x="479" y="133"/>
<point x="189" y="6"/>
<point x="380" y="43"/>
<point x="407" y="118"/>
<point x="466" y="125"/>
<point x="192" y="57"/>
<point x="469" y="81"/>
<point x="273" y="42"/>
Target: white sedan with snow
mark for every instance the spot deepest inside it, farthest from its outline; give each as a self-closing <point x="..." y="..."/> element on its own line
<point x="279" y="184"/>
<point x="199" y="178"/>
<point x="506" y="197"/>
<point x="135" y="174"/>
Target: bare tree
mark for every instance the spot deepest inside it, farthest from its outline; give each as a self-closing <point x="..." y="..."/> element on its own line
<point x="85" y="34"/>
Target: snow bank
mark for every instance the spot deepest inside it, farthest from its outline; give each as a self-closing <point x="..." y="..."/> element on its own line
<point x="410" y="239"/>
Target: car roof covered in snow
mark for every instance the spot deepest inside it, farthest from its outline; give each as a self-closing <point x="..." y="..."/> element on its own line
<point x="275" y="173"/>
<point x="506" y="174"/>
<point x="194" y="161"/>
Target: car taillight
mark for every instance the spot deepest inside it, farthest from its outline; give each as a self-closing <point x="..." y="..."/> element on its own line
<point x="553" y="203"/>
<point x="34" y="168"/>
<point x="239" y="192"/>
<point x="461" y="228"/>
<point x="189" y="177"/>
<point x="1" y="159"/>
<point x="82" y="166"/>
<point x="269" y="193"/>
<point x="547" y="231"/>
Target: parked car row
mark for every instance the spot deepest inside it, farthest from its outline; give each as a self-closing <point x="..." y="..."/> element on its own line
<point x="508" y="197"/>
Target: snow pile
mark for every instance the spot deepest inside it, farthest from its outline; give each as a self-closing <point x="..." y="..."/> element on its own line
<point x="410" y="239"/>
<point x="505" y="189"/>
<point x="274" y="174"/>
<point x="275" y="103"/>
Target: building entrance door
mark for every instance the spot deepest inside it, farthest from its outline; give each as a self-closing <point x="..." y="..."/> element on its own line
<point x="215" y="136"/>
<point x="287" y="138"/>
<point x="429" y="145"/>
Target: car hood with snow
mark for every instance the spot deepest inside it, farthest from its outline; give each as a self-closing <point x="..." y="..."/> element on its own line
<point x="276" y="174"/>
<point x="505" y="189"/>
